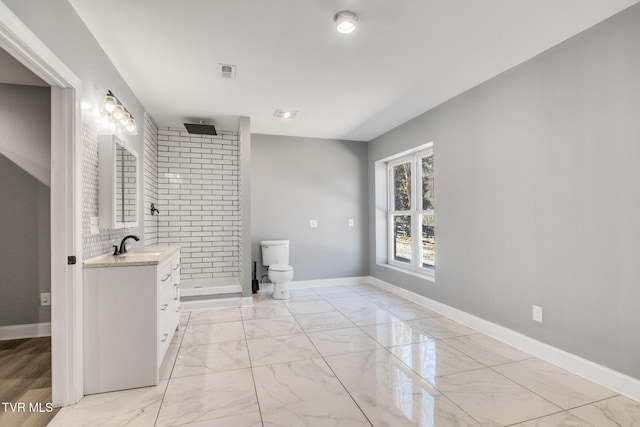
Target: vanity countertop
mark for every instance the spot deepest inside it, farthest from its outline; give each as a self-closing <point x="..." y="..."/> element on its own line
<point x="148" y="255"/>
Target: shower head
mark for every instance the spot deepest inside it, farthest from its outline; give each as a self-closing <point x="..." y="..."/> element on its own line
<point x="200" y="128"/>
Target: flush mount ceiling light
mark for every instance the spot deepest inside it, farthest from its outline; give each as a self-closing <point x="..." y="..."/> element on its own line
<point x="113" y="111"/>
<point x="345" y="21"/>
<point x="285" y="114"/>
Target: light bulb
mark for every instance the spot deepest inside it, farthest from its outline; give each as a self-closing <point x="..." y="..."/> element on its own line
<point x="118" y="113"/>
<point x="125" y="119"/>
<point x="109" y="103"/>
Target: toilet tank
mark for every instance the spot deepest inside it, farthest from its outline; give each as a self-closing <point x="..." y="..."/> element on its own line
<point x="275" y="252"/>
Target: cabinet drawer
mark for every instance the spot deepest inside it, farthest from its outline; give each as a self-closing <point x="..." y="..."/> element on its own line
<point x="164" y="277"/>
<point x="175" y="271"/>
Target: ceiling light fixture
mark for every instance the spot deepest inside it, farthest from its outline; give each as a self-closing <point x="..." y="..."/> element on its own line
<point x="345" y="21"/>
<point x="285" y="114"/>
<point x="115" y="113"/>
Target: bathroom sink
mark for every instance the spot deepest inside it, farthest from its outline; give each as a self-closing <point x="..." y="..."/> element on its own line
<point x="146" y="253"/>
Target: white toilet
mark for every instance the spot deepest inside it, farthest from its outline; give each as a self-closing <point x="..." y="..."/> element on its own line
<point x="275" y="256"/>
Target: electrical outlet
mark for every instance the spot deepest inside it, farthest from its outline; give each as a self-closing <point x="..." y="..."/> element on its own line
<point x="537" y="313"/>
<point x="350" y="222"/>
<point x="313" y="223"/>
<point x="45" y="299"/>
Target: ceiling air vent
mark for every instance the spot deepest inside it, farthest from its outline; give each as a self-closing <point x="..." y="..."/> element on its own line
<point x="226" y="71"/>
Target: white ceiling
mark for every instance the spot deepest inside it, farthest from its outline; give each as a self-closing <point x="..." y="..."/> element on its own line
<point x="405" y="57"/>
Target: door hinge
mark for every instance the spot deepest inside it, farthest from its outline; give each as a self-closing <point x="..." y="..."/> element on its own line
<point x="71" y="260"/>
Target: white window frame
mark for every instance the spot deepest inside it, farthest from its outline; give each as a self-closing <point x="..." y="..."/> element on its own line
<point x="416" y="212"/>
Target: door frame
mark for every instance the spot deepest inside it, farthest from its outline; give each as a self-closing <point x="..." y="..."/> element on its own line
<point x="66" y="207"/>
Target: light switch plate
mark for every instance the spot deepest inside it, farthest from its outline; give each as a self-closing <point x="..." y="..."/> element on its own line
<point x="350" y="222"/>
<point x="313" y="223"/>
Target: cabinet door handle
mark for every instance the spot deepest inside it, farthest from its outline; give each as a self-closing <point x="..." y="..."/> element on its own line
<point x="176" y="267"/>
<point x="164" y="337"/>
<point x="164" y="307"/>
<point x="165" y="279"/>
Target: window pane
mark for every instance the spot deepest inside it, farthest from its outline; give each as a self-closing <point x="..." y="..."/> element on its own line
<point x="402" y="187"/>
<point x="402" y="238"/>
<point x="428" y="202"/>
<point x="428" y="241"/>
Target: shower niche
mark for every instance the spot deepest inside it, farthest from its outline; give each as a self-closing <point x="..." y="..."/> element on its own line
<point x="118" y="183"/>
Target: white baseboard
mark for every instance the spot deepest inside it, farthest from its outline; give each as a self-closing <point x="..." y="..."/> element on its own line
<point x="216" y="303"/>
<point x="606" y="377"/>
<point x="345" y="281"/>
<point x="31" y="330"/>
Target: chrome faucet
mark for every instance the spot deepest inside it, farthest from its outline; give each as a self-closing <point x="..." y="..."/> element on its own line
<point x="123" y="247"/>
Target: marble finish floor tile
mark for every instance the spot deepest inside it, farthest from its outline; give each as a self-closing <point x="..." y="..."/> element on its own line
<point x="614" y="412"/>
<point x="334" y="356"/>
<point x="264" y="311"/>
<point x="208" y="358"/>
<point x="308" y="307"/>
<point x="271" y="327"/>
<point x="487" y="350"/>
<point x="208" y="397"/>
<point x="562" y="419"/>
<point x="365" y="289"/>
<point x="492" y="399"/>
<point x="137" y="407"/>
<point x="391" y="394"/>
<point x="338" y="341"/>
<point x="250" y="419"/>
<point x="212" y="333"/>
<point x="396" y="333"/>
<point x="335" y="291"/>
<point x="166" y="367"/>
<point x="370" y="316"/>
<point x="336" y="411"/>
<point x="288" y="348"/>
<point x="442" y="327"/>
<point x="215" y="315"/>
<point x="184" y="319"/>
<point x="303" y="294"/>
<point x="304" y="393"/>
<point x="558" y="386"/>
<point x="323" y="321"/>
<point x="411" y="311"/>
<point x="434" y="359"/>
<point x="352" y="304"/>
<point x="385" y="299"/>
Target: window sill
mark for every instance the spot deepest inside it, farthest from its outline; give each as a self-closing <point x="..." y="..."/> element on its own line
<point x="425" y="276"/>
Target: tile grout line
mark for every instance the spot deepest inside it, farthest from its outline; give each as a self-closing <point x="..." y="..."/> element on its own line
<point x="253" y="377"/>
<point x="331" y="369"/>
<point x="164" y="394"/>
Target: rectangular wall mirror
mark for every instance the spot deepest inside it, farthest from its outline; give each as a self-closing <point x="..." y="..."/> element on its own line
<point x="118" y="183"/>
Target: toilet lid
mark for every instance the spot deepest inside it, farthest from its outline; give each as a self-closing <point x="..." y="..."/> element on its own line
<point x="280" y="267"/>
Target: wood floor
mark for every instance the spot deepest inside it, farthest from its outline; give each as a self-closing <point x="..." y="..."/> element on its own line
<point x="25" y="382"/>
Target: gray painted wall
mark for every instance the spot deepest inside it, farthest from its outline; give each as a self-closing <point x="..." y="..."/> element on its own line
<point x="57" y="25"/>
<point x="294" y="180"/>
<point x="25" y="232"/>
<point x="538" y="194"/>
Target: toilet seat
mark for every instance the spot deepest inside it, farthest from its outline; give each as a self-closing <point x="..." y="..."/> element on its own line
<point x="280" y="267"/>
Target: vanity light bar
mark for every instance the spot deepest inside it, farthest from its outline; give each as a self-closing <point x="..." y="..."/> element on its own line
<point x="116" y="113"/>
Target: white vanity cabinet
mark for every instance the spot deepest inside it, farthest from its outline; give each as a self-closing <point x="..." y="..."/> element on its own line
<point x="131" y="312"/>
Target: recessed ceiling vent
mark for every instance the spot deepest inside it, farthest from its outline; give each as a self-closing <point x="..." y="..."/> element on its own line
<point x="226" y="71"/>
<point x="200" y="128"/>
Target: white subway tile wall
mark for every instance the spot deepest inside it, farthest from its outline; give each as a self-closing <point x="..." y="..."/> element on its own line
<point x="150" y="180"/>
<point x="97" y="244"/>
<point x="198" y="194"/>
